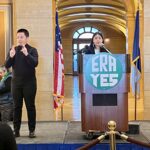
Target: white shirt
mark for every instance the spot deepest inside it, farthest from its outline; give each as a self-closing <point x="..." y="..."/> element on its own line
<point x="97" y="51"/>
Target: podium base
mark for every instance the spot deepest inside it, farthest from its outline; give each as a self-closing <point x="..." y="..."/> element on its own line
<point x="134" y="128"/>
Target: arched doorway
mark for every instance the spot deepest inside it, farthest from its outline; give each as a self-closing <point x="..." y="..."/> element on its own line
<point x="5" y="31"/>
<point x="81" y="38"/>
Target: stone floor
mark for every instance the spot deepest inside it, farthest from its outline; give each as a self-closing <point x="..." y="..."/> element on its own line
<point x="70" y="132"/>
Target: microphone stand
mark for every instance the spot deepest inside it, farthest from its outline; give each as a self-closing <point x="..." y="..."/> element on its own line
<point x="106" y="49"/>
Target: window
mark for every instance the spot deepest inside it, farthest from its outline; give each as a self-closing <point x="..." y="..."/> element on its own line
<point x="86" y="36"/>
<point x="81" y="38"/>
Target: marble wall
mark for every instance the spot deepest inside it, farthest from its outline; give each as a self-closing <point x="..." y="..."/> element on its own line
<point x="38" y="16"/>
<point x="146" y="55"/>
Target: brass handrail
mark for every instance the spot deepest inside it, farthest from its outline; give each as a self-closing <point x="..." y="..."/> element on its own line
<point x="92" y="143"/>
<point x="125" y="137"/>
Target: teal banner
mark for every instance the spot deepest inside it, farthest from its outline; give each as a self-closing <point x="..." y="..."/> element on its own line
<point x="103" y="71"/>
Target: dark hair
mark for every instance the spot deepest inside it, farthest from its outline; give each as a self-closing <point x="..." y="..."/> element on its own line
<point x="96" y="33"/>
<point x="25" y="31"/>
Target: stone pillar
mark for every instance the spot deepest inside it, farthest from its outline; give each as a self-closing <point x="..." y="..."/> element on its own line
<point x="2" y="38"/>
<point x="146" y="60"/>
<point x="38" y="16"/>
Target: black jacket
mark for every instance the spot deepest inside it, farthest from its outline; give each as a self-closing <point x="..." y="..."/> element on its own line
<point x="23" y="67"/>
<point x="90" y="50"/>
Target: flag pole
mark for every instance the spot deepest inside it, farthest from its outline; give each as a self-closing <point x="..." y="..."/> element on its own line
<point x="61" y="104"/>
<point x="62" y="117"/>
<point x="135" y="114"/>
<point x="60" y="91"/>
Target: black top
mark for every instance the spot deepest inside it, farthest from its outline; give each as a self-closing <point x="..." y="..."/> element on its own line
<point x="90" y="50"/>
<point x="7" y="140"/>
<point x="23" y="67"/>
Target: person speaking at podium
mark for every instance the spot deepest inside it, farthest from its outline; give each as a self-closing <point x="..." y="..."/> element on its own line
<point x="97" y="44"/>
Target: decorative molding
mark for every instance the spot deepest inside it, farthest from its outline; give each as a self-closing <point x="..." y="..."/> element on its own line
<point x="88" y="1"/>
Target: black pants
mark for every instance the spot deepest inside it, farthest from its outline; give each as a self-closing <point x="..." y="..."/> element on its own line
<point x="27" y="91"/>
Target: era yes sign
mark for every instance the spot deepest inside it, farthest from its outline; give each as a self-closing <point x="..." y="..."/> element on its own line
<point x="103" y="71"/>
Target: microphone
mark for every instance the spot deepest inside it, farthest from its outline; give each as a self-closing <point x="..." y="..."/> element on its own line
<point x="106" y="49"/>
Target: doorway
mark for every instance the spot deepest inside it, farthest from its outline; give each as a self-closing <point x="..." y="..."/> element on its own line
<point x="81" y="38"/>
<point x="5" y="31"/>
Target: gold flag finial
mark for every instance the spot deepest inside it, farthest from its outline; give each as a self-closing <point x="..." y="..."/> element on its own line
<point x="57" y="3"/>
<point x="139" y="5"/>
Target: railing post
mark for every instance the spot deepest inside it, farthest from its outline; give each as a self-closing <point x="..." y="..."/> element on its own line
<point x="112" y="135"/>
<point x="111" y="127"/>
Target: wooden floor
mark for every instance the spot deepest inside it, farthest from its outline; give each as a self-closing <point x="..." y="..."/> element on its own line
<point x="72" y="106"/>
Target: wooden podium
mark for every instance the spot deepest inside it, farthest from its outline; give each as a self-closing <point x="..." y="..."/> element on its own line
<point x="99" y="106"/>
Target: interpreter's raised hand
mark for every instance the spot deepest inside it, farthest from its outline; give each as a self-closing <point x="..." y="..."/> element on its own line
<point x="12" y="52"/>
<point x="24" y="50"/>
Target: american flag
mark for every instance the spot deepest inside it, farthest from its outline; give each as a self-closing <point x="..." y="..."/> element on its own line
<point x="58" y="68"/>
<point x="136" y="60"/>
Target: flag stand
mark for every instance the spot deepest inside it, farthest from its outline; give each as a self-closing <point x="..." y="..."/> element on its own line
<point x="57" y="114"/>
<point x="135" y="114"/>
<point x="62" y="117"/>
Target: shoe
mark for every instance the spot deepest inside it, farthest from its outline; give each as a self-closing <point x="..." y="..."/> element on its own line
<point x="16" y="134"/>
<point x="32" y="134"/>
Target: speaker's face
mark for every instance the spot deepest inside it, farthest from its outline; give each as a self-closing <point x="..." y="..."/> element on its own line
<point x="98" y="40"/>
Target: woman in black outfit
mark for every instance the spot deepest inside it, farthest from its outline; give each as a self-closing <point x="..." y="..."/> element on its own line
<point x="97" y="44"/>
